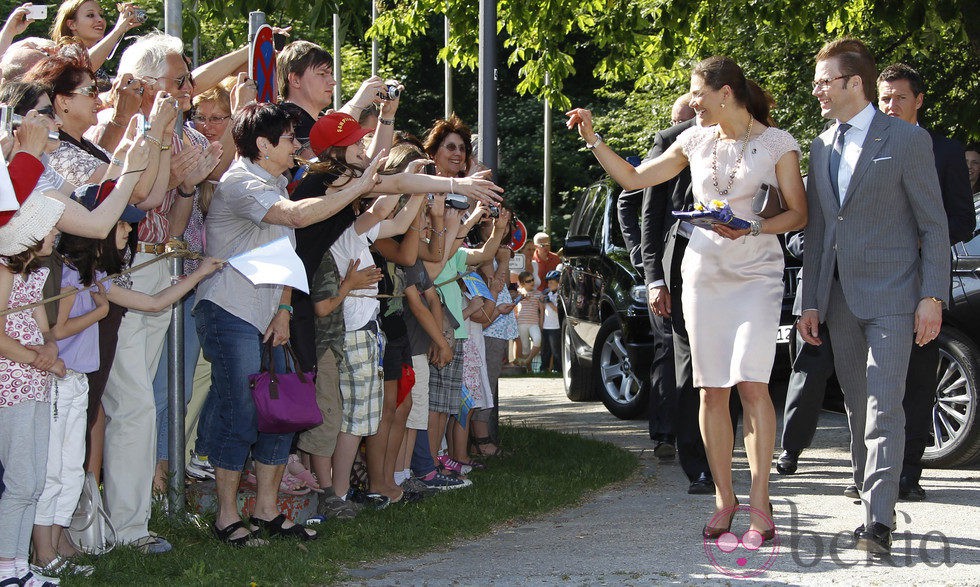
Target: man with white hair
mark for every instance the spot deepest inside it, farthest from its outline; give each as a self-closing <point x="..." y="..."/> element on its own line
<point x="156" y="63"/>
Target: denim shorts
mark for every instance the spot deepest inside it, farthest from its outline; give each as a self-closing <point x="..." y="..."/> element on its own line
<point x="233" y="346"/>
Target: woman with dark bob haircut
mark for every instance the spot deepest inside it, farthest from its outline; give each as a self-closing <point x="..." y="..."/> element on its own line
<point x="732" y="278"/>
<point x="250" y="208"/>
<point x="449" y="145"/>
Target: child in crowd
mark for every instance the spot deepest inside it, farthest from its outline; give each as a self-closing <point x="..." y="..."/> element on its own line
<point x="77" y="332"/>
<point x="529" y="318"/>
<point x="27" y="357"/>
<point x="551" y="328"/>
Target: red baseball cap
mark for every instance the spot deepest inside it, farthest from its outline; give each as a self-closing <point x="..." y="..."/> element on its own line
<point x="337" y="129"/>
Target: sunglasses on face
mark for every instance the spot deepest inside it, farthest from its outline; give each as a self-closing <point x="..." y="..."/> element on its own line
<point x="180" y="81"/>
<point x="47" y="111"/>
<point x="90" y="91"/>
<point x="453" y="147"/>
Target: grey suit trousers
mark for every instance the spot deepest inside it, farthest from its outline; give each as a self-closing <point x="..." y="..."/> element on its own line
<point x="871" y="358"/>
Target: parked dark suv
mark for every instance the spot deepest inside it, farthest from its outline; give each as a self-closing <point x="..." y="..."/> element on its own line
<point x="607" y="344"/>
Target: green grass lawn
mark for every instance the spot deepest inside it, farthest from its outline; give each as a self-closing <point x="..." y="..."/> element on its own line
<point x="542" y="471"/>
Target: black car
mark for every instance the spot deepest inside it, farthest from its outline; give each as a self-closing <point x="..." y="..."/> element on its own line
<point x="607" y="343"/>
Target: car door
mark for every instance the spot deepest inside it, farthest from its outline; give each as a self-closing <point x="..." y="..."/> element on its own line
<point x="584" y="279"/>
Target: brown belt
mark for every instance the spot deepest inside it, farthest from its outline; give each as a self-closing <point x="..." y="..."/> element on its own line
<point x="151" y="248"/>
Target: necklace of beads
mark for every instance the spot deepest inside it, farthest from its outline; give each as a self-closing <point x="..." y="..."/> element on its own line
<point x="714" y="161"/>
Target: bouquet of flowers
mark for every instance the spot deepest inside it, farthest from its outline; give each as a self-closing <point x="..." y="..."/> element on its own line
<point x="712" y="213"/>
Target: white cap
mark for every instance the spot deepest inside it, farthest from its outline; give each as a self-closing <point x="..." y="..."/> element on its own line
<point x="30" y="224"/>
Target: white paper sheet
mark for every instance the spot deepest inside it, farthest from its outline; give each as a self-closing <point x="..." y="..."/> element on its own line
<point x="8" y="200"/>
<point x="274" y="262"/>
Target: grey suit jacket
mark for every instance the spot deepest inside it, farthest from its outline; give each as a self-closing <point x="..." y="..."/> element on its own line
<point x="889" y="239"/>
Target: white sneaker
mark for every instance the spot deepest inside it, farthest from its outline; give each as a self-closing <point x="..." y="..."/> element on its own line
<point x="199" y="467"/>
<point x="36" y="579"/>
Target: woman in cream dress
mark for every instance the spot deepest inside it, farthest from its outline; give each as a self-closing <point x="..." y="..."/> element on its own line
<point x="732" y="278"/>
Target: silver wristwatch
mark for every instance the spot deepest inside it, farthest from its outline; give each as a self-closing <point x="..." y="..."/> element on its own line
<point x="595" y="143"/>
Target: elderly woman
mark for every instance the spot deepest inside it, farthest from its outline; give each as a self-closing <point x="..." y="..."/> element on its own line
<point x="83" y="19"/>
<point x="78" y="220"/>
<point x="76" y="99"/>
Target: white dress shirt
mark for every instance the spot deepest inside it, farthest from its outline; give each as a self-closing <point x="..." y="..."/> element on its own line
<point x="853" y="144"/>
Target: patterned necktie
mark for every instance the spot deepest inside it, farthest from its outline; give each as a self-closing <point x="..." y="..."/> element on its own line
<point x="835" y="157"/>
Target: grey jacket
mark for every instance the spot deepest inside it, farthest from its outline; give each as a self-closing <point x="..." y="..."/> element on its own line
<point x="889" y="240"/>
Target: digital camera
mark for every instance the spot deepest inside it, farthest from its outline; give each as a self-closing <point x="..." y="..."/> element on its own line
<point x="10" y="121"/>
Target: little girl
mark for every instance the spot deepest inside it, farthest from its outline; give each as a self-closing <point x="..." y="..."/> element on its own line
<point x="77" y="333"/>
<point x="26" y="359"/>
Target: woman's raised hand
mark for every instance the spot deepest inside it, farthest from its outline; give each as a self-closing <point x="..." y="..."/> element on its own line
<point x="128" y="19"/>
<point x="370" y="178"/>
<point x="581" y="119"/>
<point x="32" y="134"/>
<point x="244" y="92"/>
<point x="126" y="96"/>
<point x="164" y="110"/>
<point x="478" y="188"/>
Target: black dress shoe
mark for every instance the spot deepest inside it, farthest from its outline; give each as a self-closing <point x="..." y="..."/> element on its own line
<point x="786" y="464"/>
<point x="910" y="490"/>
<point x="876" y="540"/>
<point x="703" y="485"/>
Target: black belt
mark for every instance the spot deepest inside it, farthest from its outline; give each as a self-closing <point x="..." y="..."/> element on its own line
<point x="371" y="325"/>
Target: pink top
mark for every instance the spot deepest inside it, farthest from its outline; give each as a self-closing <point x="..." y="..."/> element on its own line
<point x="20" y="382"/>
<point x="529" y="310"/>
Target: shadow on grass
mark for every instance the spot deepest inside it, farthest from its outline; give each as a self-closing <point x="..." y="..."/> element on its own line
<point x="542" y="471"/>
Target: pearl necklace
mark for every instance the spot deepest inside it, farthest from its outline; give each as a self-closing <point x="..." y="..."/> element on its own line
<point x="714" y="160"/>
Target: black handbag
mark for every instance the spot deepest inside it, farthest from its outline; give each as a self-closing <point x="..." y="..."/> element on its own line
<point x="768" y="201"/>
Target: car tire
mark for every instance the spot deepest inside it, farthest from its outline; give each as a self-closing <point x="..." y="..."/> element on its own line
<point x="955" y="422"/>
<point x="575" y="377"/>
<point x="624" y="394"/>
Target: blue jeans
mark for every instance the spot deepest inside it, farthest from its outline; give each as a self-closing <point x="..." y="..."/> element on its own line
<point x="192" y="347"/>
<point x="228" y="420"/>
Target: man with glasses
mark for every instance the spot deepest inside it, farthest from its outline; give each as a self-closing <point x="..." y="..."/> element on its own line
<point x="876" y="267"/>
<point x="128" y="400"/>
<point x="545" y="259"/>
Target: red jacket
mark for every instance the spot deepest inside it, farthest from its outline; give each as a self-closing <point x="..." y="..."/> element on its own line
<point x="24" y="169"/>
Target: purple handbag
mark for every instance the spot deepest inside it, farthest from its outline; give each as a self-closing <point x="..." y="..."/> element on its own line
<point x="284" y="402"/>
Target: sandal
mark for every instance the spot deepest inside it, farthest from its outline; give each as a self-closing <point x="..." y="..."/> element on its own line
<point x="224" y="535"/>
<point x="276" y="527"/>
<point x="483" y="441"/>
<point x="296" y="469"/>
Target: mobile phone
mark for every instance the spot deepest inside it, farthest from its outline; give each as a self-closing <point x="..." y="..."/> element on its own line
<point x="518" y="299"/>
<point x="37" y="11"/>
<point x="430" y="169"/>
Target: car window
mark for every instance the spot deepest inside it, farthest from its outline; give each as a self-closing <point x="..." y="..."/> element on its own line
<point x="581" y="223"/>
<point x="615" y="231"/>
<point x="598" y="213"/>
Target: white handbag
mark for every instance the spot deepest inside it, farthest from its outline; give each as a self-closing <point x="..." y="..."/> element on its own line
<point x="91" y="531"/>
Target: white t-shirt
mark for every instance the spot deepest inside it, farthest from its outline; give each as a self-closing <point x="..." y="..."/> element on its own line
<point x="550" y="311"/>
<point x="350" y="246"/>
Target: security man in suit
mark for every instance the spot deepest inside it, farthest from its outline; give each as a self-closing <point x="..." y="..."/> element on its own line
<point x="876" y="267"/>
<point x="900" y="94"/>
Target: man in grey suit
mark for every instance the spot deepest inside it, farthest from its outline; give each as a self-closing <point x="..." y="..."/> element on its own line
<point x="876" y="266"/>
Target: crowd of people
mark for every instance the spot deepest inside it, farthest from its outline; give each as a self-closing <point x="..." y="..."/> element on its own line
<point x="883" y="202"/>
<point x="111" y="170"/>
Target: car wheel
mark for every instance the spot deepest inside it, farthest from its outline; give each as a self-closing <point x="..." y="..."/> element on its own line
<point x="573" y="374"/>
<point x="955" y="427"/>
<point x="623" y="393"/>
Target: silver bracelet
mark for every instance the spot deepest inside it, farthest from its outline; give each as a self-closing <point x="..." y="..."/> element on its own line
<point x="755" y="227"/>
<point x="452" y="189"/>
